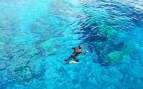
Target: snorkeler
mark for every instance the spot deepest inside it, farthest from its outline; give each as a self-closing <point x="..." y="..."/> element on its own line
<point x="74" y="55"/>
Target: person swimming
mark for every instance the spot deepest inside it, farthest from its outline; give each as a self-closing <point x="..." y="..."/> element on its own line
<point x="74" y="55"/>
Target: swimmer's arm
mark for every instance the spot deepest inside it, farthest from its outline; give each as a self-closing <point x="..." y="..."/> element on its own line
<point x="83" y="53"/>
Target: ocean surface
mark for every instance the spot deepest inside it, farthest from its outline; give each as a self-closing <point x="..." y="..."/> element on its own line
<point x="36" y="36"/>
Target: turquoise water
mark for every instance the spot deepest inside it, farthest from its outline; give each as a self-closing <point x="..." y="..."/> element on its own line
<point x="37" y="35"/>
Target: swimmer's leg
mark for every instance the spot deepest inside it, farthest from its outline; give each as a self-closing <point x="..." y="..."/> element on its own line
<point x="67" y="60"/>
<point x="76" y="60"/>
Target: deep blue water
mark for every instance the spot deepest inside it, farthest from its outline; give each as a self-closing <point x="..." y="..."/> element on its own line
<point x="37" y="35"/>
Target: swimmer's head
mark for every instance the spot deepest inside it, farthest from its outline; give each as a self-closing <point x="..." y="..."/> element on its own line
<point x="79" y="46"/>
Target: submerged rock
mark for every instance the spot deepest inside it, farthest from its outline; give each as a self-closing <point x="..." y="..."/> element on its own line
<point x="114" y="57"/>
<point x="3" y="65"/>
<point x="111" y="33"/>
<point x="23" y="72"/>
<point x="106" y="31"/>
<point x="50" y="47"/>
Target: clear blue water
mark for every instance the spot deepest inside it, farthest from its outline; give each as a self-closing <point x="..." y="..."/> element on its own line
<point x="37" y="35"/>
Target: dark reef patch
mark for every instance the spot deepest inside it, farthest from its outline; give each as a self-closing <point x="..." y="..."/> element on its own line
<point x="101" y="37"/>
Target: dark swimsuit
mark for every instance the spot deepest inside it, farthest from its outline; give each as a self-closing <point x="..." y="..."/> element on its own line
<point x="74" y="55"/>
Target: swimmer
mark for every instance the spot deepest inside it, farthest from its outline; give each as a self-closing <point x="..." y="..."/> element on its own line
<point x="74" y="55"/>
